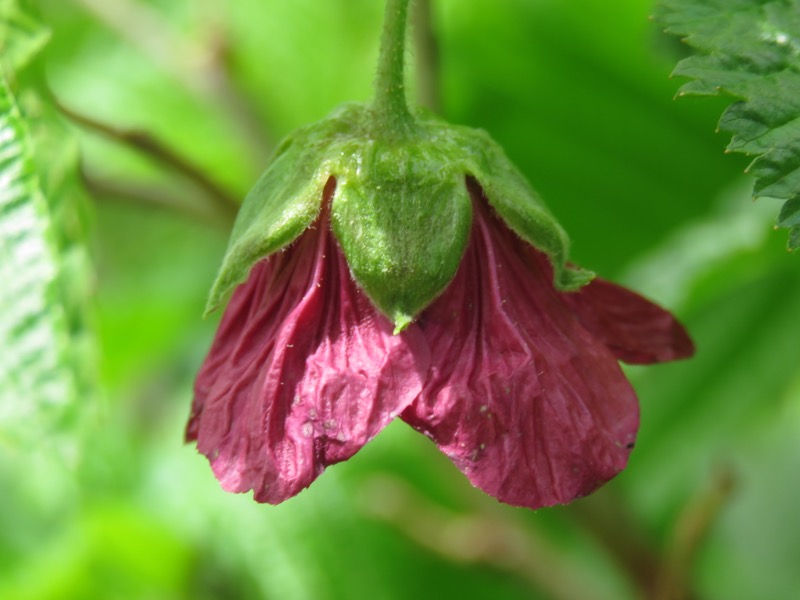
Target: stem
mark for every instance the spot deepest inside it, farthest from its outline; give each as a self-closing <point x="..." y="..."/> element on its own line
<point x="198" y="65"/>
<point x="605" y="516"/>
<point x="391" y="109"/>
<point x="691" y="530"/>
<point x="154" y="197"/>
<point x="482" y="537"/>
<point x="153" y="147"/>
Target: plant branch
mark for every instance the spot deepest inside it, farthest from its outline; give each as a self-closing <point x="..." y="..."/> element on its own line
<point x="605" y="516"/>
<point x="200" y="67"/>
<point x="486" y="538"/>
<point x="102" y="189"/>
<point x="157" y="150"/>
<point x="691" y="530"/>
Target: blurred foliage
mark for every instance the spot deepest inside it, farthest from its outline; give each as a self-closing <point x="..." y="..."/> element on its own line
<point x="578" y="94"/>
<point x="45" y="345"/>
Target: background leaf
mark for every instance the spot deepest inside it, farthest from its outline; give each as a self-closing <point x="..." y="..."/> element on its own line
<point x="749" y="50"/>
<point x="22" y="36"/>
<point x="36" y="382"/>
<point x="48" y="381"/>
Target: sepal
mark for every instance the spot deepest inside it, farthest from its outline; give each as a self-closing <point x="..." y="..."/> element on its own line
<point x="283" y="203"/>
<point x="401" y="209"/>
<point x="402" y="215"/>
<point x="515" y="201"/>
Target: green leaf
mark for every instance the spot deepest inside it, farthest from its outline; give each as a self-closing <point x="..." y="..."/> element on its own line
<point x="750" y="50"/>
<point x="22" y="36"/>
<point x="37" y="383"/>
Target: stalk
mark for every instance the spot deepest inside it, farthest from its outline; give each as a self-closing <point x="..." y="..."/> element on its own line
<point x="390" y="106"/>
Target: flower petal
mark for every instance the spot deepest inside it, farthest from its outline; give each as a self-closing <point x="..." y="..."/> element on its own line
<point x="521" y="397"/>
<point x="637" y="331"/>
<point x="302" y="372"/>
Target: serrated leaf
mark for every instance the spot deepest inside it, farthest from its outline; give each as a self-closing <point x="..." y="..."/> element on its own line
<point x="751" y="50"/>
<point x="22" y="36"/>
<point x="37" y="384"/>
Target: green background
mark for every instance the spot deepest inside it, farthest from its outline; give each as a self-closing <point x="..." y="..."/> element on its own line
<point x="108" y="503"/>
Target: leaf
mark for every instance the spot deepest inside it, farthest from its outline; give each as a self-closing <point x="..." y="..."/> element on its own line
<point x="750" y="50"/>
<point x="37" y="384"/>
<point x="21" y="35"/>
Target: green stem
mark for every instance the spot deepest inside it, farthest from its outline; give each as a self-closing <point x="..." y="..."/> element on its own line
<point x="391" y="109"/>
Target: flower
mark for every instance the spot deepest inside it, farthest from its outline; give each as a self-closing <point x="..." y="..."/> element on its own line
<point x="400" y="209"/>
<point x="390" y="265"/>
<point x="516" y="380"/>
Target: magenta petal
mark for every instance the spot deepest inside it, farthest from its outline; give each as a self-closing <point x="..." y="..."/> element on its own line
<point x="524" y="400"/>
<point x="302" y="373"/>
<point x="634" y="329"/>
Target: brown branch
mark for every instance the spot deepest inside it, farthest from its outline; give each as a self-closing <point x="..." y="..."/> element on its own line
<point x="147" y="144"/>
<point x="491" y="538"/>
<point x="691" y="530"/>
<point x="234" y="99"/>
<point x="605" y="516"/>
<point x="200" y="66"/>
<point x="102" y="189"/>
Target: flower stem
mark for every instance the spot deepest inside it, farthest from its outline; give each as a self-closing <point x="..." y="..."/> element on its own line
<point x="157" y="150"/>
<point x="390" y="107"/>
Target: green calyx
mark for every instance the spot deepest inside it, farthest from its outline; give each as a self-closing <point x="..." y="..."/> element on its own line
<point x="402" y="214"/>
<point x="281" y="205"/>
<point x="520" y="207"/>
<point x="401" y="210"/>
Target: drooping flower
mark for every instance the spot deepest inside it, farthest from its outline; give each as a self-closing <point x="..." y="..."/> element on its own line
<point x="517" y="382"/>
<point x="393" y="266"/>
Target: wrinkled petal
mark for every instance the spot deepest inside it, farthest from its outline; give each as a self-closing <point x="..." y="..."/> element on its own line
<point x="637" y="331"/>
<point x="524" y="400"/>
<point x="302" y="372"/>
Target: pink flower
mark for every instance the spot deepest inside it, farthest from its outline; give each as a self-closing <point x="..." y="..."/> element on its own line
<point x="516" y="382"/>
